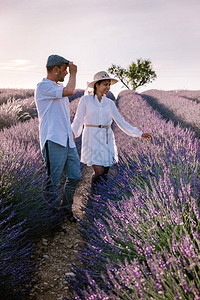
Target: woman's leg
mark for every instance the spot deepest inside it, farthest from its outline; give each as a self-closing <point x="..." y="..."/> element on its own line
<point x="106" y="169"/>
<point x="99" y="173"/>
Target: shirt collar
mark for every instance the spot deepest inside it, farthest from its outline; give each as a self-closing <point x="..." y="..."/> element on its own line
<point x="102" y="99"/>
<point x="48" y="80"/>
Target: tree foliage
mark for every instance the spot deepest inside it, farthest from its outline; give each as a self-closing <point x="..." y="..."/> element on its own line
<point x="136" y="75"/>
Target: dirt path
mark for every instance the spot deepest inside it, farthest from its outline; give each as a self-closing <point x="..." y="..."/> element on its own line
<point x="56" y="254"/>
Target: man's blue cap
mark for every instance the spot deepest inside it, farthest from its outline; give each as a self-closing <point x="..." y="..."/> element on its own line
<point x="55" y="60"/>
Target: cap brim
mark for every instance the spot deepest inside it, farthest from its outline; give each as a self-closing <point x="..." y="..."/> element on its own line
<point x="57" y="63"/>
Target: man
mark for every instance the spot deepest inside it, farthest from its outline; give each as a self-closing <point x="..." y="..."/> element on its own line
<point x="56" y="137"/>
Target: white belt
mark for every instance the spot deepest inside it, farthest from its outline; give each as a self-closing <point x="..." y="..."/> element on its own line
<point x="101" y="126"/>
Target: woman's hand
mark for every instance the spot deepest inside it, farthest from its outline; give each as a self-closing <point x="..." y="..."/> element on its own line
<point x="146" y="136"/>
<point x="74" y="137"/>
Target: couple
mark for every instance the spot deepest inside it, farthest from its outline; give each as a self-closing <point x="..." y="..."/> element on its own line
<point x="94" y="116"/>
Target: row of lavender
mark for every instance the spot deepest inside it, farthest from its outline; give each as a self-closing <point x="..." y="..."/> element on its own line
<point x="19" y="106"/>
<point x="182" y="106"/>
<point x="14" y="94"/>
<point x="26" y="211"/>
<point x="14" y="111"/>
<point x="16" y="105"/>
<point x="142" y="232"/>
<point x="25" y="215"/>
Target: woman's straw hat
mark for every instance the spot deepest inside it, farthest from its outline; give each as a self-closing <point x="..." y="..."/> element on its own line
<point x="102" y="75"/>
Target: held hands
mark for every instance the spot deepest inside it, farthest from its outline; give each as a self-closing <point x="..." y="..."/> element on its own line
<point x="72" y="68"/>
<point x="146" y="136"/>
<point x="74" y="137"/>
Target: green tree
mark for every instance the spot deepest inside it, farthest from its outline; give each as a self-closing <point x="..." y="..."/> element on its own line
<point x="136" y="75"/>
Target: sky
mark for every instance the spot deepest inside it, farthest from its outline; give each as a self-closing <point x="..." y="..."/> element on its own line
<point x="95" y="34"/>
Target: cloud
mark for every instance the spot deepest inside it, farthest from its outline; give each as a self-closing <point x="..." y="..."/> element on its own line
<point x="17" y="65"/>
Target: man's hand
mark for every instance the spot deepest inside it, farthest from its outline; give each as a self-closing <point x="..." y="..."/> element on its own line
<point x="70" y="87"/>
<point x="146" y="136"/>
<point x="72" y="68"/>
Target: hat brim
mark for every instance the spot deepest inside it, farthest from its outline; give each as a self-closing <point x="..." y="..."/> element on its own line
<point x="92" y="83"/>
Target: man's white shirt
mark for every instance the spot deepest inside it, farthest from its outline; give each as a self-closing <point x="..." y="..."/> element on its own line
<point x="53" y="114"/>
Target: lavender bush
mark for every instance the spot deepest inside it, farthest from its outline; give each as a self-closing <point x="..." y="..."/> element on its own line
<point x="20" y="108"/>
<point x="27" y="211"/>
<point x="111" y="96"/>
<point x="16" y="266"/>
<point x="187" y="94"/>
<point x="181" y="106"/>
<point x="17" y="110"/>
<point x="25" y="214"/>
<point x="14" y="94"/>
<point x="77" y="94"/>
<point x="142" y="230"/>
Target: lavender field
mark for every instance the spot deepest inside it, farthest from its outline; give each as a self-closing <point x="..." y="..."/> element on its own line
<point x="182" y="107"/>
<point x="142" y="232"/>
<point x="142" y="229"/>
<point x="26" y="211"/>
<point x="14" y="94"/>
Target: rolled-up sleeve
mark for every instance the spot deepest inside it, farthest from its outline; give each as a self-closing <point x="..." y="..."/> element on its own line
<point x="59" y="92"/>
<point x="77" y="125"/>
<point x="50" y="91"/>
<point x="123" y="125"/>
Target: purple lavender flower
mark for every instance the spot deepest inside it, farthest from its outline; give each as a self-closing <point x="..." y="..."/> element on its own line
<point x="141" y="231"/>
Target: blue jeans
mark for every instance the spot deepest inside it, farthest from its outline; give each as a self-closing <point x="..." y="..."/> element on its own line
<point x="62" y="160"/>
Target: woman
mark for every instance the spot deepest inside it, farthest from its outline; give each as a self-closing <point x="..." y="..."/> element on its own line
<point x="96" y="112"/>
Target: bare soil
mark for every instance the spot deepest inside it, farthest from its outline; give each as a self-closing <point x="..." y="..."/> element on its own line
<point x="56" y="254"/>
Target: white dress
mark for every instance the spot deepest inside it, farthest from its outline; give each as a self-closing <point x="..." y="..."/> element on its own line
<point x="96" y="148"/>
